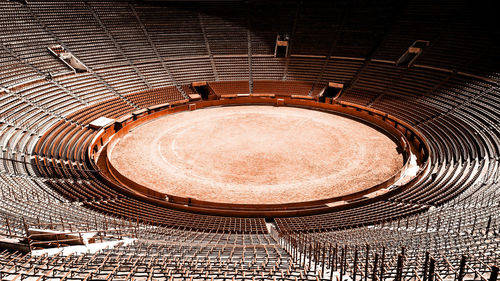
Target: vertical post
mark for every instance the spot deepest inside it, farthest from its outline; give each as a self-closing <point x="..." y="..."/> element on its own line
<point x="474" y="225"/>
<point x="355" y="268"/>
<point x="25" y="227"/>
<point x="488" y="226"/>
<point x="342" y="263"/>
<point x="336" y="254"/>
<point x="303" y="254"/>
<point x="330" y="255"/>
<point x="494" y="273"/>
<point x="299" y="245"/>
<point x="283" y="242"/>
<point x="459" y="224"/>
<point x="331" y="263"/>
<point x="294" y="248"/>
<point x="431" y="269"/>
<point x="315" y="256"/>
<point x="366" y="261"/>
<point x="136" y="225"/>
<point x="461" y="270"/>
<point x="323" y="261"/>
<point x="382" y="261"/>
<point x="8" y="226"/>
<point x="399" y="268"/>
<point x="344" y="268"/>
<point x="287" y="244"/>
<point x="310" y="256"/>
<point x="426" y="265"/>
<point x="27" y="234"/>
<point x="374" y="273"/>
<point x="331" y="267"/>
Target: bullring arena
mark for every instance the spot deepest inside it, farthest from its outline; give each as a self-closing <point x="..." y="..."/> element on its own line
<point x="249" y="140"/>
<point x="256" y="155"/>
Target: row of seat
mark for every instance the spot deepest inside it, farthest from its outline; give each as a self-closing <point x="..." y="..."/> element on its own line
<point x="134" y="48"/>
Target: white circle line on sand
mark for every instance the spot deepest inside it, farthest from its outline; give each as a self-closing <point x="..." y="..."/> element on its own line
<point x="261" y="187"/>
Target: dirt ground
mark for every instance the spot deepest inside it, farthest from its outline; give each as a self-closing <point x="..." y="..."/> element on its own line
<point x="256" y="155"/>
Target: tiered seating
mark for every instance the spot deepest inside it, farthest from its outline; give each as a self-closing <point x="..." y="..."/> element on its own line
<point x="376" y="78"/>
<point x="230" y="88"/>
<point x="214" y="259"/>
<point x="187" y="70"/>
<point x="340" y="70"/>
<point x="458" y="154"/>
<point x="226" y="28"/>
<point x="189" y="90"/>
<point x="83" y="37"/>
<point x="14" y="71"/>
<point x="304" y="68"/>
<point x="61" y="157"/>
<point x="121" y="23"/>
<point x="175" y="32"/>
<point x="123" y="79"/>
<point x="156" y="96"/>
<point x="282" y="87"/>
<point x="52" y="97"/>
<point x="86" y="86"/>
<point x="349" y="31"/>
<point x="266" y="68"/>
<point x="449" y="235"/>
<point x="149" y="213"/>
<point x="111" y="108"/>
<point x="232" y="68"/>
<point x="371" y="213"/>
<point x="31" y="200"/>
<point x="463" y="46"/>
<point x="141" y="54"/>
<point x="264" y="29"/>
<point x="28" y="41"/>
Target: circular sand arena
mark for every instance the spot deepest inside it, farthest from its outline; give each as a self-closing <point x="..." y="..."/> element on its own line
<point x="256" y="155"/>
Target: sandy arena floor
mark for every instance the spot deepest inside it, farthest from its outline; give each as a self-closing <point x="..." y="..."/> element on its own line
<point x="256" y="155"/>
